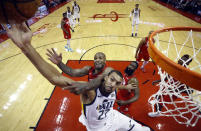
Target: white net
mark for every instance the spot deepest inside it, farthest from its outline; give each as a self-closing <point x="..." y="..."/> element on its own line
<point x="176" y="99"/>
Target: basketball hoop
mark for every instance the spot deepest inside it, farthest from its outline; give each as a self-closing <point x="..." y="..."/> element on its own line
<point x="177" y="95"/>
<point x="189" y="77"/>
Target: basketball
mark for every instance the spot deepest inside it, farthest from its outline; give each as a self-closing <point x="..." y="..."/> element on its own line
<point x="17" y="10"/>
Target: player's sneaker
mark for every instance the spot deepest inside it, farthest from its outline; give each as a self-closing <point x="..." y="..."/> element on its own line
<point x="67" y="48"/>
<point x="132" y="35"/>
<point x="70" y="49"/>
<point x="135" y="34"/>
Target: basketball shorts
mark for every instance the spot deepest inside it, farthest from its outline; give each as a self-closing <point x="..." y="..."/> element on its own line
<point x="116" y="122"/>
<point x="135" y="21"/>
<point x="144" y="56"/>
<point x="67" y="36"/>
<point x="76" y="15"/>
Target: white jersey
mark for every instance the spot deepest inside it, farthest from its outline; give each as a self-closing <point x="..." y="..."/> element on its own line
<point x="100" y="116"/>
<point x="76" y="12"/>
<point x="135" y="14"/>
<point x="68" y="14"/>
<point x="76" y="9"/>
<point x="97" y="113"/>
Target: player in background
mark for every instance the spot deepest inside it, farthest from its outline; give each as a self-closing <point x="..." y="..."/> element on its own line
<point x="126" y="97"/>
<point x="135" y="18"/>
<point x="70" y="16"/>
<point x="142" y="51"/>
<point x="65" y="26"/>
<point x="76" y="12"/>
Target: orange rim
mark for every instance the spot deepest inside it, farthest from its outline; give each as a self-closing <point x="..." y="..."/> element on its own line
<point x="187" y="76"/>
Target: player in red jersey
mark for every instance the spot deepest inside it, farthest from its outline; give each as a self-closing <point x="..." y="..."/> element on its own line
<point x="126" y="97"/>
<point x="99" y="70"/>
<point x="95" y="73"/>
<point x="65" y="26"/>
<point x="142" y="51"/>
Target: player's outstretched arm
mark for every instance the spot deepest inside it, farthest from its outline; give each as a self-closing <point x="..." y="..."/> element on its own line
<point x="57" y="59"/>
<point x="80" y="87"/>
<point x="21" y="37"/>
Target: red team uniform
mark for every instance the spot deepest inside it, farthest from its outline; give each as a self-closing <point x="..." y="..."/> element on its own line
<point x="143" y="52"/>
<point x="125" y="94"/>
<point x="91" y="76"/>
<point x="67" y="27"/>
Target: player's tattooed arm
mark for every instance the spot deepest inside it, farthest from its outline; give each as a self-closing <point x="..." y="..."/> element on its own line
<point x="21" y="37"/>
<point x="92" y="85"/>
<point x="95" y="83"/>
<point x="57" y="59"/>
<point x="74" y="72"/>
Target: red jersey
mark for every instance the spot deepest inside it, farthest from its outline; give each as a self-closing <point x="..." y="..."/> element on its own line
<point x="143" y="51"/>
<point x="92" y="75"/>
<point x="125" y="94"/>
<point x="67" y="27"/>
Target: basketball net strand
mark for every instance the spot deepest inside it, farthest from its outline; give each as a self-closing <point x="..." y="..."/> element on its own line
<point x="177" y="99"/>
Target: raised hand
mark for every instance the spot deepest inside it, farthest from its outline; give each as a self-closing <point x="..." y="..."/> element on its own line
<point x="20" y="34"/>
<point x="54" y="57"/>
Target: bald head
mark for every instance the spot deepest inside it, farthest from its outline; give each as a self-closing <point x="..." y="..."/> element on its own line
<point x="100" y="54"/>
<point x="99" y="60"/>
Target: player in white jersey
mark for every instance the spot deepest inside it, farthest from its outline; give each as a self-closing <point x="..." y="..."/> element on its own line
<point x="135" y="17"/>
<point x="76" y="12"/>
<point x="70" y="17"/>
<point x="98" y="113"/>
<point x="99" y="100"/>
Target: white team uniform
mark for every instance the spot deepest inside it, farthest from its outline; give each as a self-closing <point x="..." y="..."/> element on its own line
<point x="76" y="12"/>
<point x="71" y="19"/>
<point x="135" y="15"/>
<point x="100" y="116"/>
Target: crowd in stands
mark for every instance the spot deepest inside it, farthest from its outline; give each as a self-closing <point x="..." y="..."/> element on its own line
<point x="191" y="6"/>
<point x="52" y="3"/>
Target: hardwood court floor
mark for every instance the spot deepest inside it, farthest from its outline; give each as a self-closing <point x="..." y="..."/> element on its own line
<point x="23" y="89"/>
